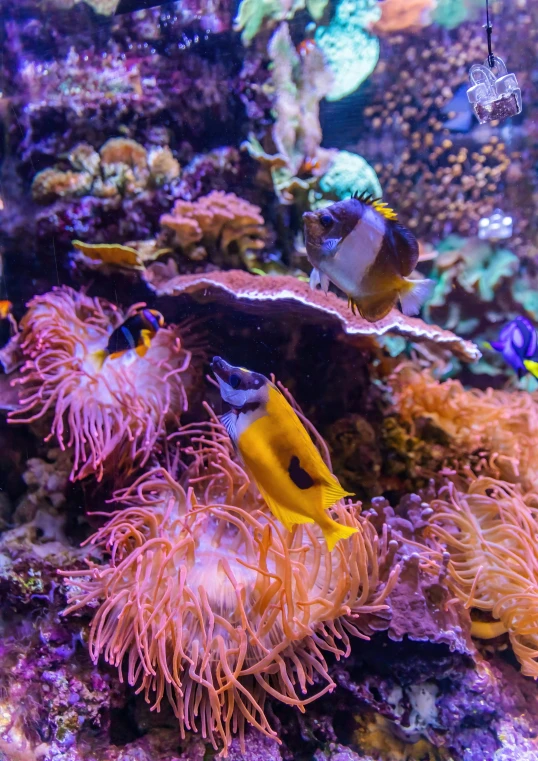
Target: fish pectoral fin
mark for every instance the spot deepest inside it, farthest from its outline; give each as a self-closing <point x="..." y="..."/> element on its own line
<point x="335" y="531"/>
<point x="315" y="278"/>
<point x="331" y="493"/>
<point x="532" y="366"/>
<point x="289" y="518"/>
<point x="414" y="293"/>
<point x="229" y="421"/>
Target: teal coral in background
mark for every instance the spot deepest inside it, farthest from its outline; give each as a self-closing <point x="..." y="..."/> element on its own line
<point x="351" y="51"/>
<point x="349" y="173"/>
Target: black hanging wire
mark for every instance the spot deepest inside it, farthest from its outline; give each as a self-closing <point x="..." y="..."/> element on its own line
<point x="489" y="30"/>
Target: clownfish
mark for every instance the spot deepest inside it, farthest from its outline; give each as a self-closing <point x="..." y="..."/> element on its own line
<point x="135" y="334"/>
<point x="5" y="309"/>
<point x="278" y="452"/>
<point x="359" y="245"/>
<point x="518" y="344"/>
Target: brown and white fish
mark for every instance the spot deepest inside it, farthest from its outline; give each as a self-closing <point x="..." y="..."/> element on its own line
<point x="359" y="245"/>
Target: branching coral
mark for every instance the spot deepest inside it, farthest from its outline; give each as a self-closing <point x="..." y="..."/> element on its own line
<point x="113" y="409"/>
<point x="491" y="532"/>
<point x="217" y="225"/>
<point x="500" y="426"/>
<point x="207" y="600"/>
<point x="122" y="167"/>
<point x="300" y="81"/>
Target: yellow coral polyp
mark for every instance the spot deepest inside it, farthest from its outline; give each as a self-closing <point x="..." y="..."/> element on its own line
<point x="211" y="604"/>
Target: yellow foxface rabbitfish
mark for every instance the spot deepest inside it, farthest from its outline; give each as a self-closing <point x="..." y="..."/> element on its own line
<point x="278" y="452"/>
<point x="359" y="245"/>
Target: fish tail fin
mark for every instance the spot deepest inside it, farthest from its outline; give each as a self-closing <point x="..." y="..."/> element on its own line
<point x="532" y="366"/>
<point x="414" y="293"/>
<point x="335" y="531"/>
<point x="332" y="492"/>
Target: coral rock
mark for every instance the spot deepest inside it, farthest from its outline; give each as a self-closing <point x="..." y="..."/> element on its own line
<point x="289" y="295"/>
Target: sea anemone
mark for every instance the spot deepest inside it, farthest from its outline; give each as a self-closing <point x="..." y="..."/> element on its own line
<point x="206" y="599"/>
<point x="490" y="530"/>
<point x="119" y="407"/>
<point x="499" y="425"/>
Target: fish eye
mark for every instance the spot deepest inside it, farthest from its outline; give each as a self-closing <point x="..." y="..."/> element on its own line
<point x="235" y="380"/>
<point x="326" y="221"/>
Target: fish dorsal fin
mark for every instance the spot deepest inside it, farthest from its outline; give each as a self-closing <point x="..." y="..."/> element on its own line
<point x="376" y="203"/>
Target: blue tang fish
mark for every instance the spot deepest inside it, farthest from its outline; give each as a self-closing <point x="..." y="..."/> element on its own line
<point x="518" y="344"/>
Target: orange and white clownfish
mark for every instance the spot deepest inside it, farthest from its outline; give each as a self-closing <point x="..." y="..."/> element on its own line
<point x="359" y="245"/>
<point x="278" y="452"/>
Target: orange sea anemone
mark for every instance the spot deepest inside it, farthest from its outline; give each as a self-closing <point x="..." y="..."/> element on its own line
<point x="501" y="425"/>
<point x="115" y="409"/>
<point x="491" y="532"/>
<point x="207" y="600"/>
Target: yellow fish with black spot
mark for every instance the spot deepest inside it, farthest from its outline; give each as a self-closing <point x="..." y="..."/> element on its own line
<point x="278" y="452"/>
<point x="359" y="245"/>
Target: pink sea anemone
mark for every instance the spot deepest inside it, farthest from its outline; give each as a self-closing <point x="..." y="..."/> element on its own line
<point x="113" y="411"/>
<point x="206" y="599"/>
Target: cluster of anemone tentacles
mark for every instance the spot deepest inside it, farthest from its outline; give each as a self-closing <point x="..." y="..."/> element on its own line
<point x="209" y="601"/>
<point x="487" y="519"/>
<point x="111" y="413"/>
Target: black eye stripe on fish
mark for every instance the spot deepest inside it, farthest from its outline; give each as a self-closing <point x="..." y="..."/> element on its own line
<point x="298" y="475"/>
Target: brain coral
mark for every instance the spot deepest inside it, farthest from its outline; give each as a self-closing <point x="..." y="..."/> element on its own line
<point x="208" y="601"/>
<point x="116" y="409"/>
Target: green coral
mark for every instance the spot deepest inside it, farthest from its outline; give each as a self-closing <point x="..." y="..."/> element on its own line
<point x="349" y="173"/>
<point x="351" y="51"/>
<point x="452" y="13"/>
<point x="475" y="265"/>
<point x="253" y="13"/>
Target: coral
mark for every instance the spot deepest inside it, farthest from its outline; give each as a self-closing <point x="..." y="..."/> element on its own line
<point x="112" y="410"/>
<point x="220" y="223"/>
<point x="351" y="51"/>
<point x="493" y="429"/>
<point x="452" y="13"/>
<point x="103" y="7"/>
<point x="212" y="604"/>
<point x="477" y="269"/>
<point x="252" y="14"/>
<point x="294" y="295"/>
<point x="122" y="168"/>
<point x="397" y="15"/>
<point x="54" y="183"/>
<point x="163" y="167"/>
<point x="347" y="174"/>
<point x="300" y="81"/>
<point x="490" y="531"/>
<point x="47" y="481"/>
<point x="123" y="257"/>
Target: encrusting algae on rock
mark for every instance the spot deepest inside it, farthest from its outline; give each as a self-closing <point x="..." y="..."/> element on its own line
<point x="211" y="604"/>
